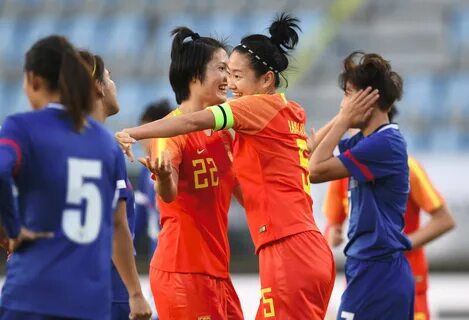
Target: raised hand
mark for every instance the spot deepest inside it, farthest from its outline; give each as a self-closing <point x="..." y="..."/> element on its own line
<point x="161" y="167"/>
<point x="125" y="142"/>
<point x="357" y="109"/>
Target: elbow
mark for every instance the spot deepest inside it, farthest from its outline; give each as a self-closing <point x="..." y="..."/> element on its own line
<point x="450" y="223"/>
<point x="316" y="176"/>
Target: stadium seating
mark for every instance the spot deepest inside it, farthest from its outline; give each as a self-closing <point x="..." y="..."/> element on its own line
<point x="134" y="40"/>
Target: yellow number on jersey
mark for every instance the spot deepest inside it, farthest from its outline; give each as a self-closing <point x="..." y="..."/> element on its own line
<point x="304" y="162"/>
<point x="200" y="168"/>
<point x="269" y="310"/>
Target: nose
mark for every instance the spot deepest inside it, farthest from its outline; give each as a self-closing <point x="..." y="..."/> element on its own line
<point x="231" y="84"/>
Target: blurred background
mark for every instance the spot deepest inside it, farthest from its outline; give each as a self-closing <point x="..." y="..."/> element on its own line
<point x="427" y="42"/>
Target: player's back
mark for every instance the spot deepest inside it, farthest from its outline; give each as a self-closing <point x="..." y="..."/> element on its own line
<point x="66" y="182"/>
<point x="271" y="163"/>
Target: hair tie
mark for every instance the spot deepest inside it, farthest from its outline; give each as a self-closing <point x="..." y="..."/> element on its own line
<point x="259" y="58"/>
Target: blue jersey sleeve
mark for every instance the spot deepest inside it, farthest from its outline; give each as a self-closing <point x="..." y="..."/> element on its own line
<point x="12" y="142"/>
<point x="121" y="176"/>
<point x="372" y="158"/>
<point x="8" y="209"/>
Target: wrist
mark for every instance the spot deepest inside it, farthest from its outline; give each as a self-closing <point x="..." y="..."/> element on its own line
<point x="342" y="121"/>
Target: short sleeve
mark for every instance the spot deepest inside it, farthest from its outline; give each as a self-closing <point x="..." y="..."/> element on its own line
<point x="121" y="183"/>
<point x="373" y="158"/>
<point x="422" y="190"/>
<point x="248" y="115"/>
<point x="336" y="201"/>
<point x="13" y="140"/>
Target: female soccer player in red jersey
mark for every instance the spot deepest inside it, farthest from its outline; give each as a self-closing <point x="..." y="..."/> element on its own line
<point x="189" y="272"/>
<point x="297" y="269"/>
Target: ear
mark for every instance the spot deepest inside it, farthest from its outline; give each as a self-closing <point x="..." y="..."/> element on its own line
<point x="34" y="81"/>
<point x="99" y="89"/>
<point x="268" y="80"/>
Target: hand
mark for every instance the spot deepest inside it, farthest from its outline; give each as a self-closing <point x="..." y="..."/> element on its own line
<point x="139" y="308"/>
<point x="27" y="235"/>
<point x="160" y="167"/>
<point x="334" y="235"/>
<point x="125" y="142"/>
<point x="357" y="109"/>
<point x="310" y="142"/>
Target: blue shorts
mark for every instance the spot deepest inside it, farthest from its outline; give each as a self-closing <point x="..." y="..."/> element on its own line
<point x="378" y="290"/>
<point x="120" y="311"/>
<point x="7" y="314"/>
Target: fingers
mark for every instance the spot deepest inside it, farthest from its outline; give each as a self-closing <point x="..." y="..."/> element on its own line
<point x="129" y="154"/>
<point x="41" y="235"/>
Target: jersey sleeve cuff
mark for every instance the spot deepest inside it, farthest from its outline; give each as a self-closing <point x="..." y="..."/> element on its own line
<point x="358" y="170"/>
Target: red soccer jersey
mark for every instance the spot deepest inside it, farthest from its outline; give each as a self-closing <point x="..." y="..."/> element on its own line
<point x="271" y="164"/>
<point x="422" y="195"/>
<point x="194" y="234"/>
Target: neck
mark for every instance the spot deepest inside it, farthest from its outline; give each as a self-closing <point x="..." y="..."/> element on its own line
<point x="378" y="119"/>
<point x="193" y="104"/>
<point x="49" y="97"/>
<point x="99" y="113"/>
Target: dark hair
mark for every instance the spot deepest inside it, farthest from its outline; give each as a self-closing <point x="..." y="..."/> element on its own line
<point x="95" y="64"/>
<point x="392" y="113"/>
<point x="56" y="60"/>
<point x="155" y="111"/>
<point x="271" y="54"/>
<point x="189" y="59"/>
<point x="371" y="70"/>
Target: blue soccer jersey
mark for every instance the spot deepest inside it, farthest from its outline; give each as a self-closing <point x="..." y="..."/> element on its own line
<point x="66" y="184"/>
<point x="378" y="191"/>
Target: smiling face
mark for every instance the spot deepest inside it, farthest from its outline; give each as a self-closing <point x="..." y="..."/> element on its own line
<point x="243" y="80"/>
<point x="212" y="90"/>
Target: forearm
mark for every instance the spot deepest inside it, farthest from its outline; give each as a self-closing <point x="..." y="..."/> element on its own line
<point x="321" y="133"/>
<point x="166" y="188"/>
<point x="325" y="148"/>
<point x="173" y="126"/>
<point x="123" y="252"/>
<point x="440" y="223"/>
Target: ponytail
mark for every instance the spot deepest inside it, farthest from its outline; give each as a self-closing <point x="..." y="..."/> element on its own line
<point x="56" y="60"/>
<point x="271" y="53"/>
<point x="75" y="87"/>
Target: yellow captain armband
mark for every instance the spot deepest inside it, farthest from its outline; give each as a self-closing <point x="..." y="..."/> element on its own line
<point x="223" y="116"/>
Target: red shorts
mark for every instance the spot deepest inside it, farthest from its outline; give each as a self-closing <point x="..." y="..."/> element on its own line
<point x="421" y="311"/>
<point x="181" y="296"/>
<point x="297" y="277"/>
